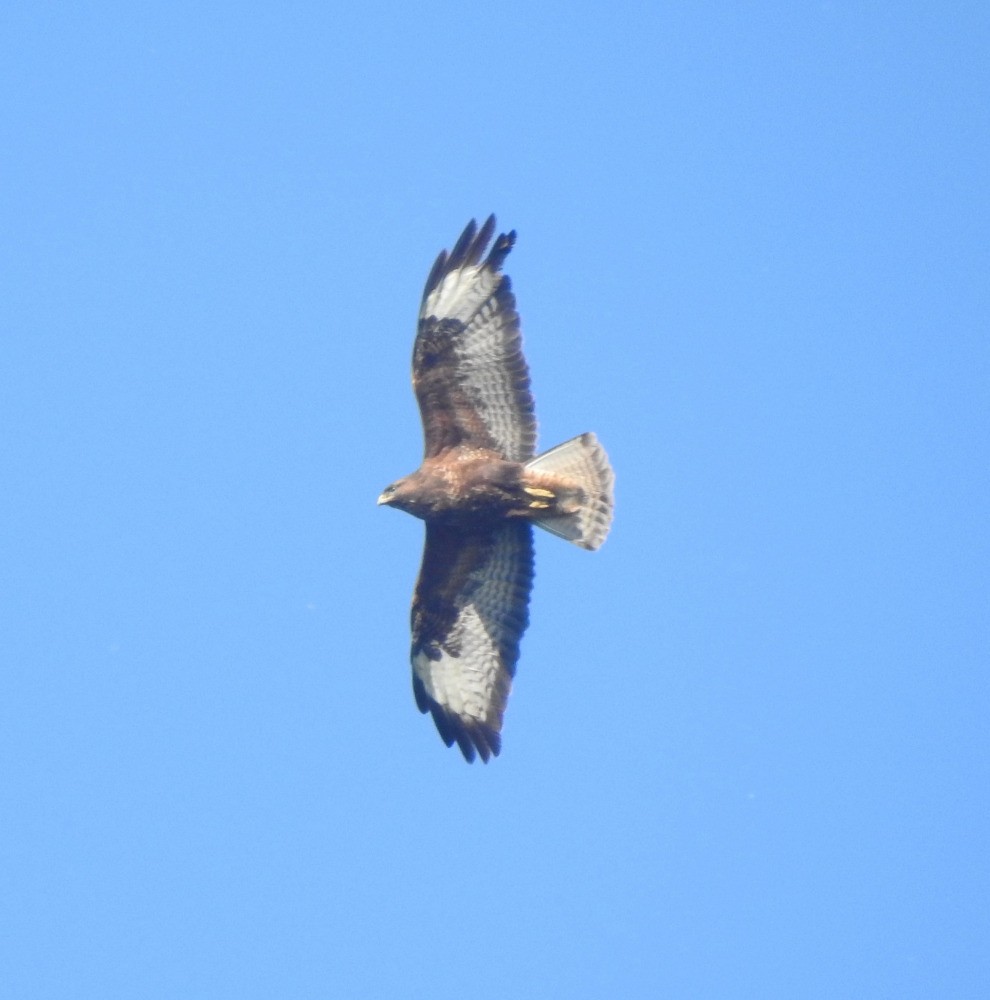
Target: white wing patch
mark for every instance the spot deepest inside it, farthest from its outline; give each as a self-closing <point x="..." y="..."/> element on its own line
<point x="460" y="293"/>
<point x="463" y="684"/>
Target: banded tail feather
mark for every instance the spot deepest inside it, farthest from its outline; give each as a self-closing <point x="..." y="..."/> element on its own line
<point x="584" y="483"/>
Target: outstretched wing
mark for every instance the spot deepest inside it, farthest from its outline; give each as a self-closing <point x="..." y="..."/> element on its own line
<point x="468" y="615"/>
<point x="469" y="372"/>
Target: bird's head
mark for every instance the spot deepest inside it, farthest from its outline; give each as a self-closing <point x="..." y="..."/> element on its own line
<point x="415" y="494"/>
<point x="402" y="494"/>
<point x="389" y="495"/>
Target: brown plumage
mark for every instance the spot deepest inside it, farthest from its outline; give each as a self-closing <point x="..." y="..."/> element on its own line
<point x="480" y="489"/>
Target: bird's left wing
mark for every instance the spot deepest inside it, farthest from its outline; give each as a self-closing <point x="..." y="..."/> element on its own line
<point x="469" y="613"/>
<point x="469" y="372"/>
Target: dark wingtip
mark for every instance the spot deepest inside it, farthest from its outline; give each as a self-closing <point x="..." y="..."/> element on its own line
<point x="471" y="739"/>
<point x="468" y="250"/>
<point x="482" y="240"/>
<point x="500" y="250"/>
<point x="462" y="248"/>
<point x="480" y="738"/>
<point x="437" y="272"/>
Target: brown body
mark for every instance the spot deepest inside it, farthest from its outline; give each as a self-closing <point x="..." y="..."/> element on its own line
<point x="468" y="486"/>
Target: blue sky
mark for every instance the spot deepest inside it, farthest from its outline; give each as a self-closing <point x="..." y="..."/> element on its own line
<point x="747" y="753"/>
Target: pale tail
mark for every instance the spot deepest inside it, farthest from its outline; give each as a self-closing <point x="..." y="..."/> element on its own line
<point x="583" y="464"/>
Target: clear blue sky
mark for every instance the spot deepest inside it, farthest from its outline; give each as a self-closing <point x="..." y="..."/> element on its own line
<point x="747" y="752"/>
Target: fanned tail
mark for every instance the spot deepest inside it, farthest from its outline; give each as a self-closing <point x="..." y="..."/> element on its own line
<point x="580" y="476"/>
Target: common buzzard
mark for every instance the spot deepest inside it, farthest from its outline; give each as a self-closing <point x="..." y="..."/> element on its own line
<point x="480" y="489"/>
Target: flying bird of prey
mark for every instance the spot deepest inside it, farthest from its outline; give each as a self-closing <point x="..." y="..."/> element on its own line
<point x="480" y="489"/>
